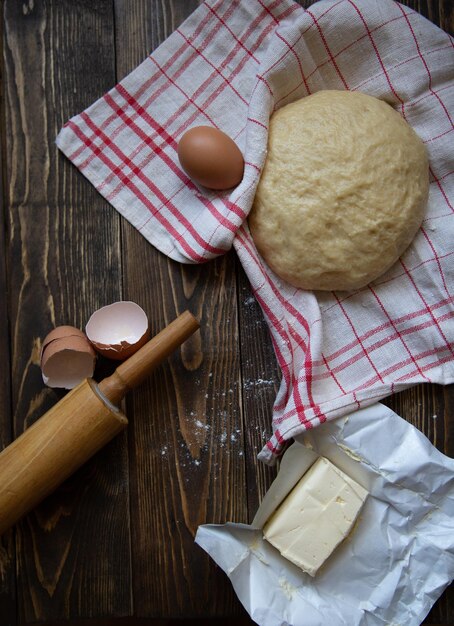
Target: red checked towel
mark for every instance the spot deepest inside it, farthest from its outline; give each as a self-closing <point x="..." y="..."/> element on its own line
<point x="230" y="65"/>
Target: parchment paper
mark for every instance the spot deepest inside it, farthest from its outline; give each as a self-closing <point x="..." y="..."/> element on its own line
<point x="399" y="557"/>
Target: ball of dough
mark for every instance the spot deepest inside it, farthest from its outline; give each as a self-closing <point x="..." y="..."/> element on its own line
<point x="342" y="193"/>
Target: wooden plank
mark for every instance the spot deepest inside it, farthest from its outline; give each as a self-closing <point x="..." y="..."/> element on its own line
<point x="187" y="452"/>
<point x="260" y="383"/>
<point x="187" y="462"/>
<point x="64" y="259"/>
<point x="431" y="409"/>
<point x="7" y="551"/>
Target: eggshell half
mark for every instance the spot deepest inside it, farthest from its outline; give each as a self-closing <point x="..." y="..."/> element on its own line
<point x="118" y="330"/>
<point x="59" y="333"/>
<point x="67" y="361"/>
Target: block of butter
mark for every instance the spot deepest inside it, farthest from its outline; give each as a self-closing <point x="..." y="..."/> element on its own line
<point x="316" y="516"/>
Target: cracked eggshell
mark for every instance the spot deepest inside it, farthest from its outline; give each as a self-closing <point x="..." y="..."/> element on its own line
<point x="118" y="330"/>
<point x="61" y="332"/>
<point x="67" y="358"/>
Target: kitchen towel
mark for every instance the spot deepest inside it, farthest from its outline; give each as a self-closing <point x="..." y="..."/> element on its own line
<point x="230" y="65"/>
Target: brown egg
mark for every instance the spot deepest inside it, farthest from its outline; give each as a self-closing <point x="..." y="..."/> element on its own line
<point x="211" y="158"/>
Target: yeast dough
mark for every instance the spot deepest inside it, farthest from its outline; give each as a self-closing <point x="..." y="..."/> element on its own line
<point x="342" y="193"/>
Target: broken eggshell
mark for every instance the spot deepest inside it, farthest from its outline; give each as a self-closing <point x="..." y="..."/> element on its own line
<point x="118" y="330"/>
<point x="67" y="358"/>
<point x="61" y="332"/>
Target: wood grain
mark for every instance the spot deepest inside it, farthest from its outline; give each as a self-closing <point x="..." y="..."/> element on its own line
<point x="260" y="382"/>
<point x="7" y="550"/>
<point x="63" y="256"/>
<point x="186" y="450"/>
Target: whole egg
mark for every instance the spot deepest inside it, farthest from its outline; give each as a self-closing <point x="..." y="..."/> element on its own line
<point x="211" y="158"/>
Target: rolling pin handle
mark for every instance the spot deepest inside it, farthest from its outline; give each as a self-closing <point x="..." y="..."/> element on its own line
<point x="114" y="388"/>
<point x="135" y="369"/>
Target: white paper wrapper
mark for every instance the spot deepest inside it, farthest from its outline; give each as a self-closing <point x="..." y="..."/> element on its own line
<point x="399" y="557"/>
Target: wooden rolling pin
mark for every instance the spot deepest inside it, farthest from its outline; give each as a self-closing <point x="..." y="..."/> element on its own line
<point x="76" y="427"/>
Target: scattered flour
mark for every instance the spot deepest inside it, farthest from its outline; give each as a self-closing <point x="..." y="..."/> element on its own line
<point x="212" y="430"/>
<point x="249" y="301"/>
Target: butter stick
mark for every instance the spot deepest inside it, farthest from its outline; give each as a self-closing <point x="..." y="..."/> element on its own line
<point x="316" y="516"/>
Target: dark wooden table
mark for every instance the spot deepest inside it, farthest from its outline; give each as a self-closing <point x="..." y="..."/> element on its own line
<point x="117" y="539"/>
